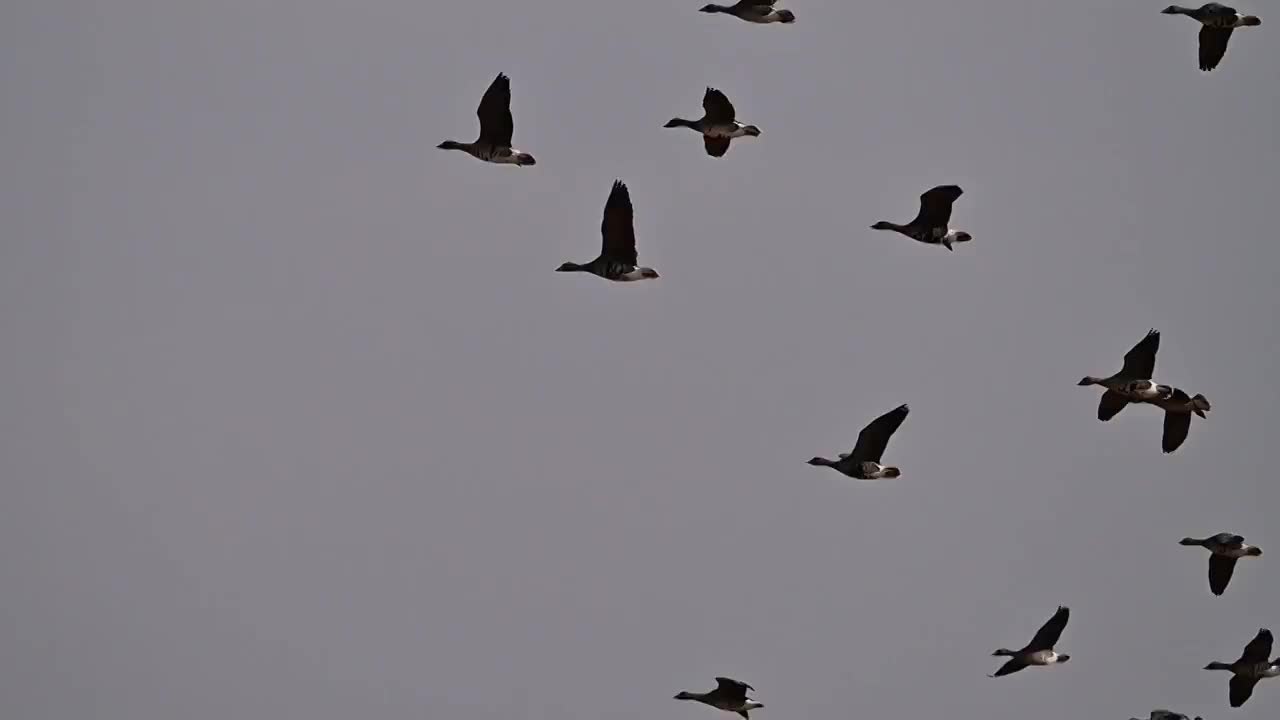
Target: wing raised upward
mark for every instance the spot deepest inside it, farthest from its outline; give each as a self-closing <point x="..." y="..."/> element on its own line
<point x="717" y="108"/>
<point x="494" y="112"/>
<point x="1047" y="636"/>
<point x="874" y="438"/>
<point x="935" y="206"/>
<point x="1258" y="650"/>
<point x="732" y="689"/>
<point x="617" y="229"/>
<point x="1140" y="361"/>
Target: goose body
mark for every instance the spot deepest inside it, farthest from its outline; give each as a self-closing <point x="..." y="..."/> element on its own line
<point x="930" y="225"/>
<point x="618" y="260"/>
<point x="730" y="695"/>
<point x="718" y="125"/>
<point x="1039" y="652"/>
<point x="1252" y="667"/>
<point x="756" y="11"/>
<point x="1224" y="550"/>
<point x="1217" y="22"/>
<point x="863" y="462"/>
<point x="496" y="127"/>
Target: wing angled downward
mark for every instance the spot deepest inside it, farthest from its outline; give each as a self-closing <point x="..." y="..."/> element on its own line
<point x="1213" y="46"/>
<point x="1176" y="427"/>
<point x="1111" y="404"/>
<point x="1221" y="568"/>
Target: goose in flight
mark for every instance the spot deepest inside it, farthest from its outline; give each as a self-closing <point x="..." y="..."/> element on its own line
<point x="730" y="695"/>
<point x="1178" y="408"/>
<point x="1224" y="550"/>
<point x="494" y="143"/>
<point x="1133" y="383"/>
<point x="1038" y="652"/>
<point x="756" y="11"/>
<point x="1217" y="22"/>
<point x="1252" y="666"/>
<point x="930" y="224"/>
<point x="718" y="124"/>
<point x="863" y="462"/>
<point x="617" y="260"/>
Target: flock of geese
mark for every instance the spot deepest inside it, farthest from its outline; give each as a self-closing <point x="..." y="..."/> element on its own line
<point x="1132" y="385"/>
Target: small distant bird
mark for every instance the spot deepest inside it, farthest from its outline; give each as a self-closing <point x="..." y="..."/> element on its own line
<point x="494" y="143"/>
<point x="730" y="695"/>
<point x="756" y="11"/>
<point x="1178" y="408"/>
<point x="1167" y="715"/>
<point x="1133" y="382"/>
<point x="863" y="462"/>
<point x="1252" y="666"/>
<point x="1224" y="550"/>
<point x="718" y="124"/>
<point x="618" y="258"/>
<point x="930" y="224"/>
<point x="1040" y="650"/>
<point x="1217" y="23"/>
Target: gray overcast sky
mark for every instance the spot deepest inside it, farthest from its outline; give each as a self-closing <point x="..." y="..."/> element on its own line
<point x="297" y="421"/>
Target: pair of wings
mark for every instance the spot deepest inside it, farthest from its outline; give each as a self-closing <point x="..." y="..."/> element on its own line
<point x="935" y="206"/>
<point x="874" y="438"/>
<point x="1257" y="651"/>
<point x="717" y="110"/>
<point x="496" y="125"/>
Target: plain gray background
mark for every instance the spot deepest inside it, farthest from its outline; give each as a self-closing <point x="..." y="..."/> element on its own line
<point x="297" y="421"/>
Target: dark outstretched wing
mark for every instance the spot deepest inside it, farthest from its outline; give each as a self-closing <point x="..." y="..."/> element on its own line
<point x="874" y="438"/>
<point x="495" y="113"/>
<point x="1140" y="361"/>
<point x="1176" y="426"/>
<point x="935" y="206"/>
<point x="732" y="689"/>
<point x="1258" y="650"/>
<point x="1111" y="403"/>
<point x="618" y="227"/>
<point x="1013" y="666"/>
<point x="717" y="108"/>
<point x="716" y="146"/>
<point x="1241" y="689"/>
<point x="1220" y="569"/>
<point x="1213" y="45"/>
<point x="1047" y="636"/>
<point x="755" y="3"/>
